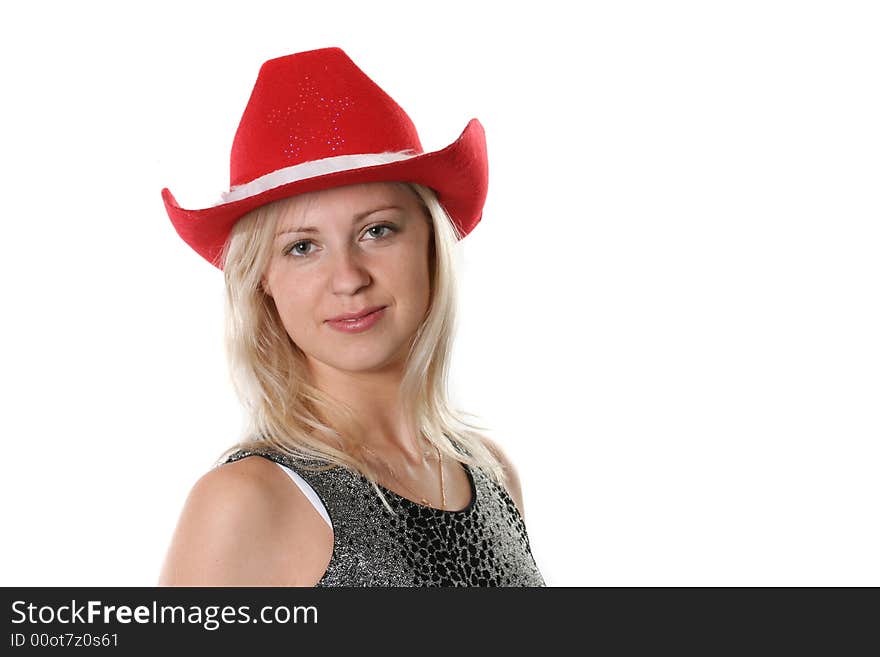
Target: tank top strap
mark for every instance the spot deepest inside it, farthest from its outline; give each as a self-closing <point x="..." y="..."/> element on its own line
<point x="292" y="470"/>
<point x="308" y="491"/>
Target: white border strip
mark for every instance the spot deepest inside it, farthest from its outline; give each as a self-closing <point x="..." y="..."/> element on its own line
<point x="310" y="170"/>
<point x="308" y="491"/>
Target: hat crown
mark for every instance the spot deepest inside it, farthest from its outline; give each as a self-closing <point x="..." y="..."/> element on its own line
<point x="314" y="105"/>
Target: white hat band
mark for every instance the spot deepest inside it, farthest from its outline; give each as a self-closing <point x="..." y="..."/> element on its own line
<point x="311" y="169"/>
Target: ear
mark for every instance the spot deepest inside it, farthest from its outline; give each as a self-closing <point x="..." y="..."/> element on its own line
<point x="264" y="285"/>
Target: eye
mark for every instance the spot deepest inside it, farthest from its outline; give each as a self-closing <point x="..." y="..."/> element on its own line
<point x="390" y="229"/>
<point x="294" y="249"/>
<point x="378" y="232"/>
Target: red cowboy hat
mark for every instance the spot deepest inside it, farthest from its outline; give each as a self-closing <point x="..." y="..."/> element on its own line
<point x="315" y="120"/>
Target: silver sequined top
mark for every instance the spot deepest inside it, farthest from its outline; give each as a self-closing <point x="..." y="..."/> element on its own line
<point x="484" y="544"/>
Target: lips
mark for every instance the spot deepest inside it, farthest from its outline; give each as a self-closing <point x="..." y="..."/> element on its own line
<point x="359" y="325"/>
<point x="355" y="315"/>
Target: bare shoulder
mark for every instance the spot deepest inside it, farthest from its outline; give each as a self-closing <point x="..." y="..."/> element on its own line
<point x="246" y="523"/>
<point x="512" y="477"/>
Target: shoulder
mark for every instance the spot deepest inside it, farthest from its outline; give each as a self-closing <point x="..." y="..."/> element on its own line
<point x="245" y="524"/>
<point x="511" y="475"/>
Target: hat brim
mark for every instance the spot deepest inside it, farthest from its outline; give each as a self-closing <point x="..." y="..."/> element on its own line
<point x="459" y="175"/>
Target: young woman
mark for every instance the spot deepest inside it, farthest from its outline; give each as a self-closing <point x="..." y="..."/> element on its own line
<point x="336" y="242"/>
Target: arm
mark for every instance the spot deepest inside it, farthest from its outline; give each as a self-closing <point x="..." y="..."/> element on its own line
<point x="238" y="527"/>
<point x="512" y="478"/>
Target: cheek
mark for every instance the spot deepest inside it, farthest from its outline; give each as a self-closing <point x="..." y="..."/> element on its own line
<point x="292" y="303"/>
<point x="415" y="273"/>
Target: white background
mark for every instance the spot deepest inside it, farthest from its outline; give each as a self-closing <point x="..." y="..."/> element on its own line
<point x="670" y="309"/>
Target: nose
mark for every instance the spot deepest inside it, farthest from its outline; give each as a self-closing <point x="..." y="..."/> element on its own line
<point x="348" y="272"/>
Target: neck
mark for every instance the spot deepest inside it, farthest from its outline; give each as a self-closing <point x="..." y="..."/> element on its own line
<point x="375" y="398"/>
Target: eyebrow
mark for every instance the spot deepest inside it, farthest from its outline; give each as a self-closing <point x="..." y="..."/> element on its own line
<point x="358" y="217"/>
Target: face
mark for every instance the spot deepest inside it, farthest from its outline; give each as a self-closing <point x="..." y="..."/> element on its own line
<point x="342" y="250"/>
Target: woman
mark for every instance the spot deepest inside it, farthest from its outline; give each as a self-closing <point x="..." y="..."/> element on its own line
<point x="336" y="241"/>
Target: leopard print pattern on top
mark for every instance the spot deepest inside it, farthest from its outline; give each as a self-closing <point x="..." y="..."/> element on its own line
<point x="484" y="544"/>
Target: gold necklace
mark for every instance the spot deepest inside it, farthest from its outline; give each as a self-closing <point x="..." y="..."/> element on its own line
<point x="423" y="500"/>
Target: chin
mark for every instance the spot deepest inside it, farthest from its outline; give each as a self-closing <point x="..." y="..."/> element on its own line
<point x="355" y="366"/>
<point x="366" y="358"/>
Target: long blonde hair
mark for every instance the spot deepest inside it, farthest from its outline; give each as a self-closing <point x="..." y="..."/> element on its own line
<point x="287" y="413"/>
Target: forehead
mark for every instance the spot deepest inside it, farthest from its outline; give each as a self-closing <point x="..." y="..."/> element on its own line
<point x="342" y="203"/>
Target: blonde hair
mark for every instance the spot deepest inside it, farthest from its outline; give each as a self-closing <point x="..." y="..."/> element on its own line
<point x="287" y="413"/>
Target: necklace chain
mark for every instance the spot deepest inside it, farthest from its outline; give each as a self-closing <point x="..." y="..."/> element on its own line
<point x="411" y="492"/>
